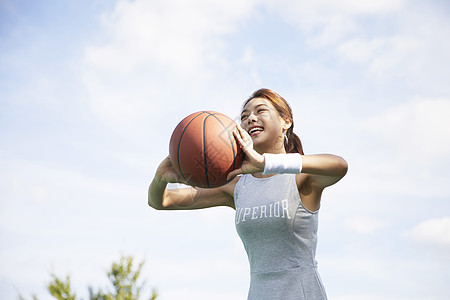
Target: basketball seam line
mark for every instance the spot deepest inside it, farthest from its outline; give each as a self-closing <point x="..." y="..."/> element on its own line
<point x="204" y="143"/>
<point x="204" y="150"/>
<point x="229" y="139"/>
<point x="179" y="143"/>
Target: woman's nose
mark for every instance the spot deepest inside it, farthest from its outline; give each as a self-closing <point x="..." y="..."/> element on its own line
<point x="251" y="118"/>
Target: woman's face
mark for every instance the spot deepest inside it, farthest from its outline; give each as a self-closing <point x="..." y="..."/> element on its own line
<point x="264" y="124"/>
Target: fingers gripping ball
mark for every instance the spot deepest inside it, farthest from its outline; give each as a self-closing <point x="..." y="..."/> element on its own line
<point x="203" y="149"/>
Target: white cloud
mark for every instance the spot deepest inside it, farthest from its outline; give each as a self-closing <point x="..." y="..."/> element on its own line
<point x="378" y="54"/>
<point x="365" y="224"/>
<point x="418" y="130"/>
<point x="153" y="51"/>
<point x="334" y="29"/>
<point x="399" y="37"/>
<point x="48" y="195"/>
<point x="349" y="7"/>
<point x="405" y="151"/>
<point x="399" y="52"/>
<point x="432" y="233"/>
<point x="369" y="268"/>
<point x="328" y="21"/>
<point x="411" y="49"/>
<point x="358" y="50"/>
<point x="395" y="271"/>
<point x="179" y="35"/>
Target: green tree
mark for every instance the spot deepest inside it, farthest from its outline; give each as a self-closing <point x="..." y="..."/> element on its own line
<point x="60" y="288"/>
<point x="124" y="279"/>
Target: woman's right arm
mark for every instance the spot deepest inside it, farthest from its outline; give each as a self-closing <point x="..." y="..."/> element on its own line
<point x="161" y="198"/>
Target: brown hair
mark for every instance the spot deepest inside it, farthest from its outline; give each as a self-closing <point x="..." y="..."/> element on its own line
<point x="293" y="143"/>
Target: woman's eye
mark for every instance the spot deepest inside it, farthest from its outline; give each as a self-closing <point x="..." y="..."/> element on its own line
<point x="261" y="110"/>
<point x="243" y="117"/>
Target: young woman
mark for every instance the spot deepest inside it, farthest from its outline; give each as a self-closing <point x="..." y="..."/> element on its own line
<point x="276" y="199"/>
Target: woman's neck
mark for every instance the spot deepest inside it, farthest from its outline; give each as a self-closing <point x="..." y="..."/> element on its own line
<point x="276" y="147"/>
<point x="274" y="150"/>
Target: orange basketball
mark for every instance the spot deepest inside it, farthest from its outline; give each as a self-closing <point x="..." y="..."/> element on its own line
<point x="203" y="149"/>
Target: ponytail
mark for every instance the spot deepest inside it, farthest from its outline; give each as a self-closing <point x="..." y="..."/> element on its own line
<point x="292" y="144"/>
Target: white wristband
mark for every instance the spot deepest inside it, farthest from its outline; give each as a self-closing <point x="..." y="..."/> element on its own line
<point x="290" y="163"/>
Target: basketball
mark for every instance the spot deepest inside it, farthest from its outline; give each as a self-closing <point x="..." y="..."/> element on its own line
<point x="203" y="149"/>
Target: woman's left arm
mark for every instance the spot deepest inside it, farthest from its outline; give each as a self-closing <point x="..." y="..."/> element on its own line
<point x="324" y="169"/>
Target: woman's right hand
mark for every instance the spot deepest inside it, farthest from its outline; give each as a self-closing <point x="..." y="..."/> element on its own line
<point x="166" y="172"/>
<point x="254" y="162"/>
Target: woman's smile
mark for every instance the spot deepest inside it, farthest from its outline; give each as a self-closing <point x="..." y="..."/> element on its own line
<point x="255" y="130"/>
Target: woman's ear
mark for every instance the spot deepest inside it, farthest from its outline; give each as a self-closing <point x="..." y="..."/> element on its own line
<point x="286" y="124"/>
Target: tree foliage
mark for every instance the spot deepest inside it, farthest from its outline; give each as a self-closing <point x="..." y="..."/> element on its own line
<point x="124" y="281"/>
<point x="123" y="276"/>
<point x="60" y="288"/>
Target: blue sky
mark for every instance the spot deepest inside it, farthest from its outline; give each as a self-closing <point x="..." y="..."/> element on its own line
<point x="90" y="92"/>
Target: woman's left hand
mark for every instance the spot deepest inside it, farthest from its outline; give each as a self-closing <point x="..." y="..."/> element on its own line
<point x="254" y="162"/>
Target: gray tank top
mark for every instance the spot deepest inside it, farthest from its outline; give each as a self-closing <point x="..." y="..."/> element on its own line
<point x="280" y="237"/>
